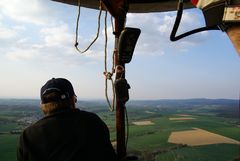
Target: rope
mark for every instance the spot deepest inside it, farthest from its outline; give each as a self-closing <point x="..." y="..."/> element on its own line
<point x="108" y="75"/>
<point x="77" y="26"/>
<point x="106" y="41"/>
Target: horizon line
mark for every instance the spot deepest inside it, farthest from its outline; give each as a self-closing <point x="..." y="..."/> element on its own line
<point x="150" y="99"/>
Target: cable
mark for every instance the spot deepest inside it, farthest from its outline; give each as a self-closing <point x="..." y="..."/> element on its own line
<point x="173" y="36"/>
<point x="77" y="26"/>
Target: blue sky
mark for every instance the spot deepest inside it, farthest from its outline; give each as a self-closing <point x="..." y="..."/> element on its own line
<point x="37" y="43"/>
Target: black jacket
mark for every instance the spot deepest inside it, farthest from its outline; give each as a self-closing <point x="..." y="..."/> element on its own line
<point x="69" y="135"/>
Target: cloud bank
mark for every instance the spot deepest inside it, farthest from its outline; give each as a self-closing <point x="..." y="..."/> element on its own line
<point x="44" y="36"/>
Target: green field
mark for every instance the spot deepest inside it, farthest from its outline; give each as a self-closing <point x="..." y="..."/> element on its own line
<point x="8" y="145"/>
<point x="216" y="152"/>
<point x="148" y="142"/>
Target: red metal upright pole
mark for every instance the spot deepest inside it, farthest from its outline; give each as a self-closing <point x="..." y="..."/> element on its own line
<point x="120" y="109"/>
<point x="118" y="9"/>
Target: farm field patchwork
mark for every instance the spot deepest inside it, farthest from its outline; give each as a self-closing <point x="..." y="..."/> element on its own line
<point x="156" y="132"/>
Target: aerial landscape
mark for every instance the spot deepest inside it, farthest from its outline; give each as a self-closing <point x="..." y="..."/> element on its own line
<point x="183" y="101"/>
<point x="158" y="130"/>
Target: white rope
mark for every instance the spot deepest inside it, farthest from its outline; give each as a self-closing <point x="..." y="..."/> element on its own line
<point x="108" y="75"/>
<point x="77" y="27"/>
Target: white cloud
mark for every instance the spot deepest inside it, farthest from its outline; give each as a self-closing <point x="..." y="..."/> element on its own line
<point x="55" y="41"/>
<point x="45" y="55"/>
<point x="51" y="44"/>
<point x="22" y="54"/>
<point x="42" y="37"/>
<point x="6" y="33"/>
<point x="23" y="40"/>
<point x="31" y="11"/>
<point x="19" y="28"/>
<point x="156" y="29"/>
<point x="57" y="35"/>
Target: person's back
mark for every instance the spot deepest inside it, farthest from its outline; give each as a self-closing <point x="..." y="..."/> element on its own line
<point x="66" y="134"/>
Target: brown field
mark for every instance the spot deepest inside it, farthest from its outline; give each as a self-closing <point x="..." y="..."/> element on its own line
<point x="181" y="118"/>
<point x="142" y="123"/>
<point x="198" y="137"/>
<point x="150" y="112"/>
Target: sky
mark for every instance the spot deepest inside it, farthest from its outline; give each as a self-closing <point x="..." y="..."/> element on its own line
<point x="37" y="43"/>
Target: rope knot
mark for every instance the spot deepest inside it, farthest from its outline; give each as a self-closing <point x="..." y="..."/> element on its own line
<point x="76" y="44"/>
<point x="108" y="75"/>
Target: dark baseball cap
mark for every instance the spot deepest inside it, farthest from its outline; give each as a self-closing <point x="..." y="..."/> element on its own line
<point x="60" y="86"/>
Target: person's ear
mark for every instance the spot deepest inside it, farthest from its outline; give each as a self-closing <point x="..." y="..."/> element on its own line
<point x="74" y="101"/>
